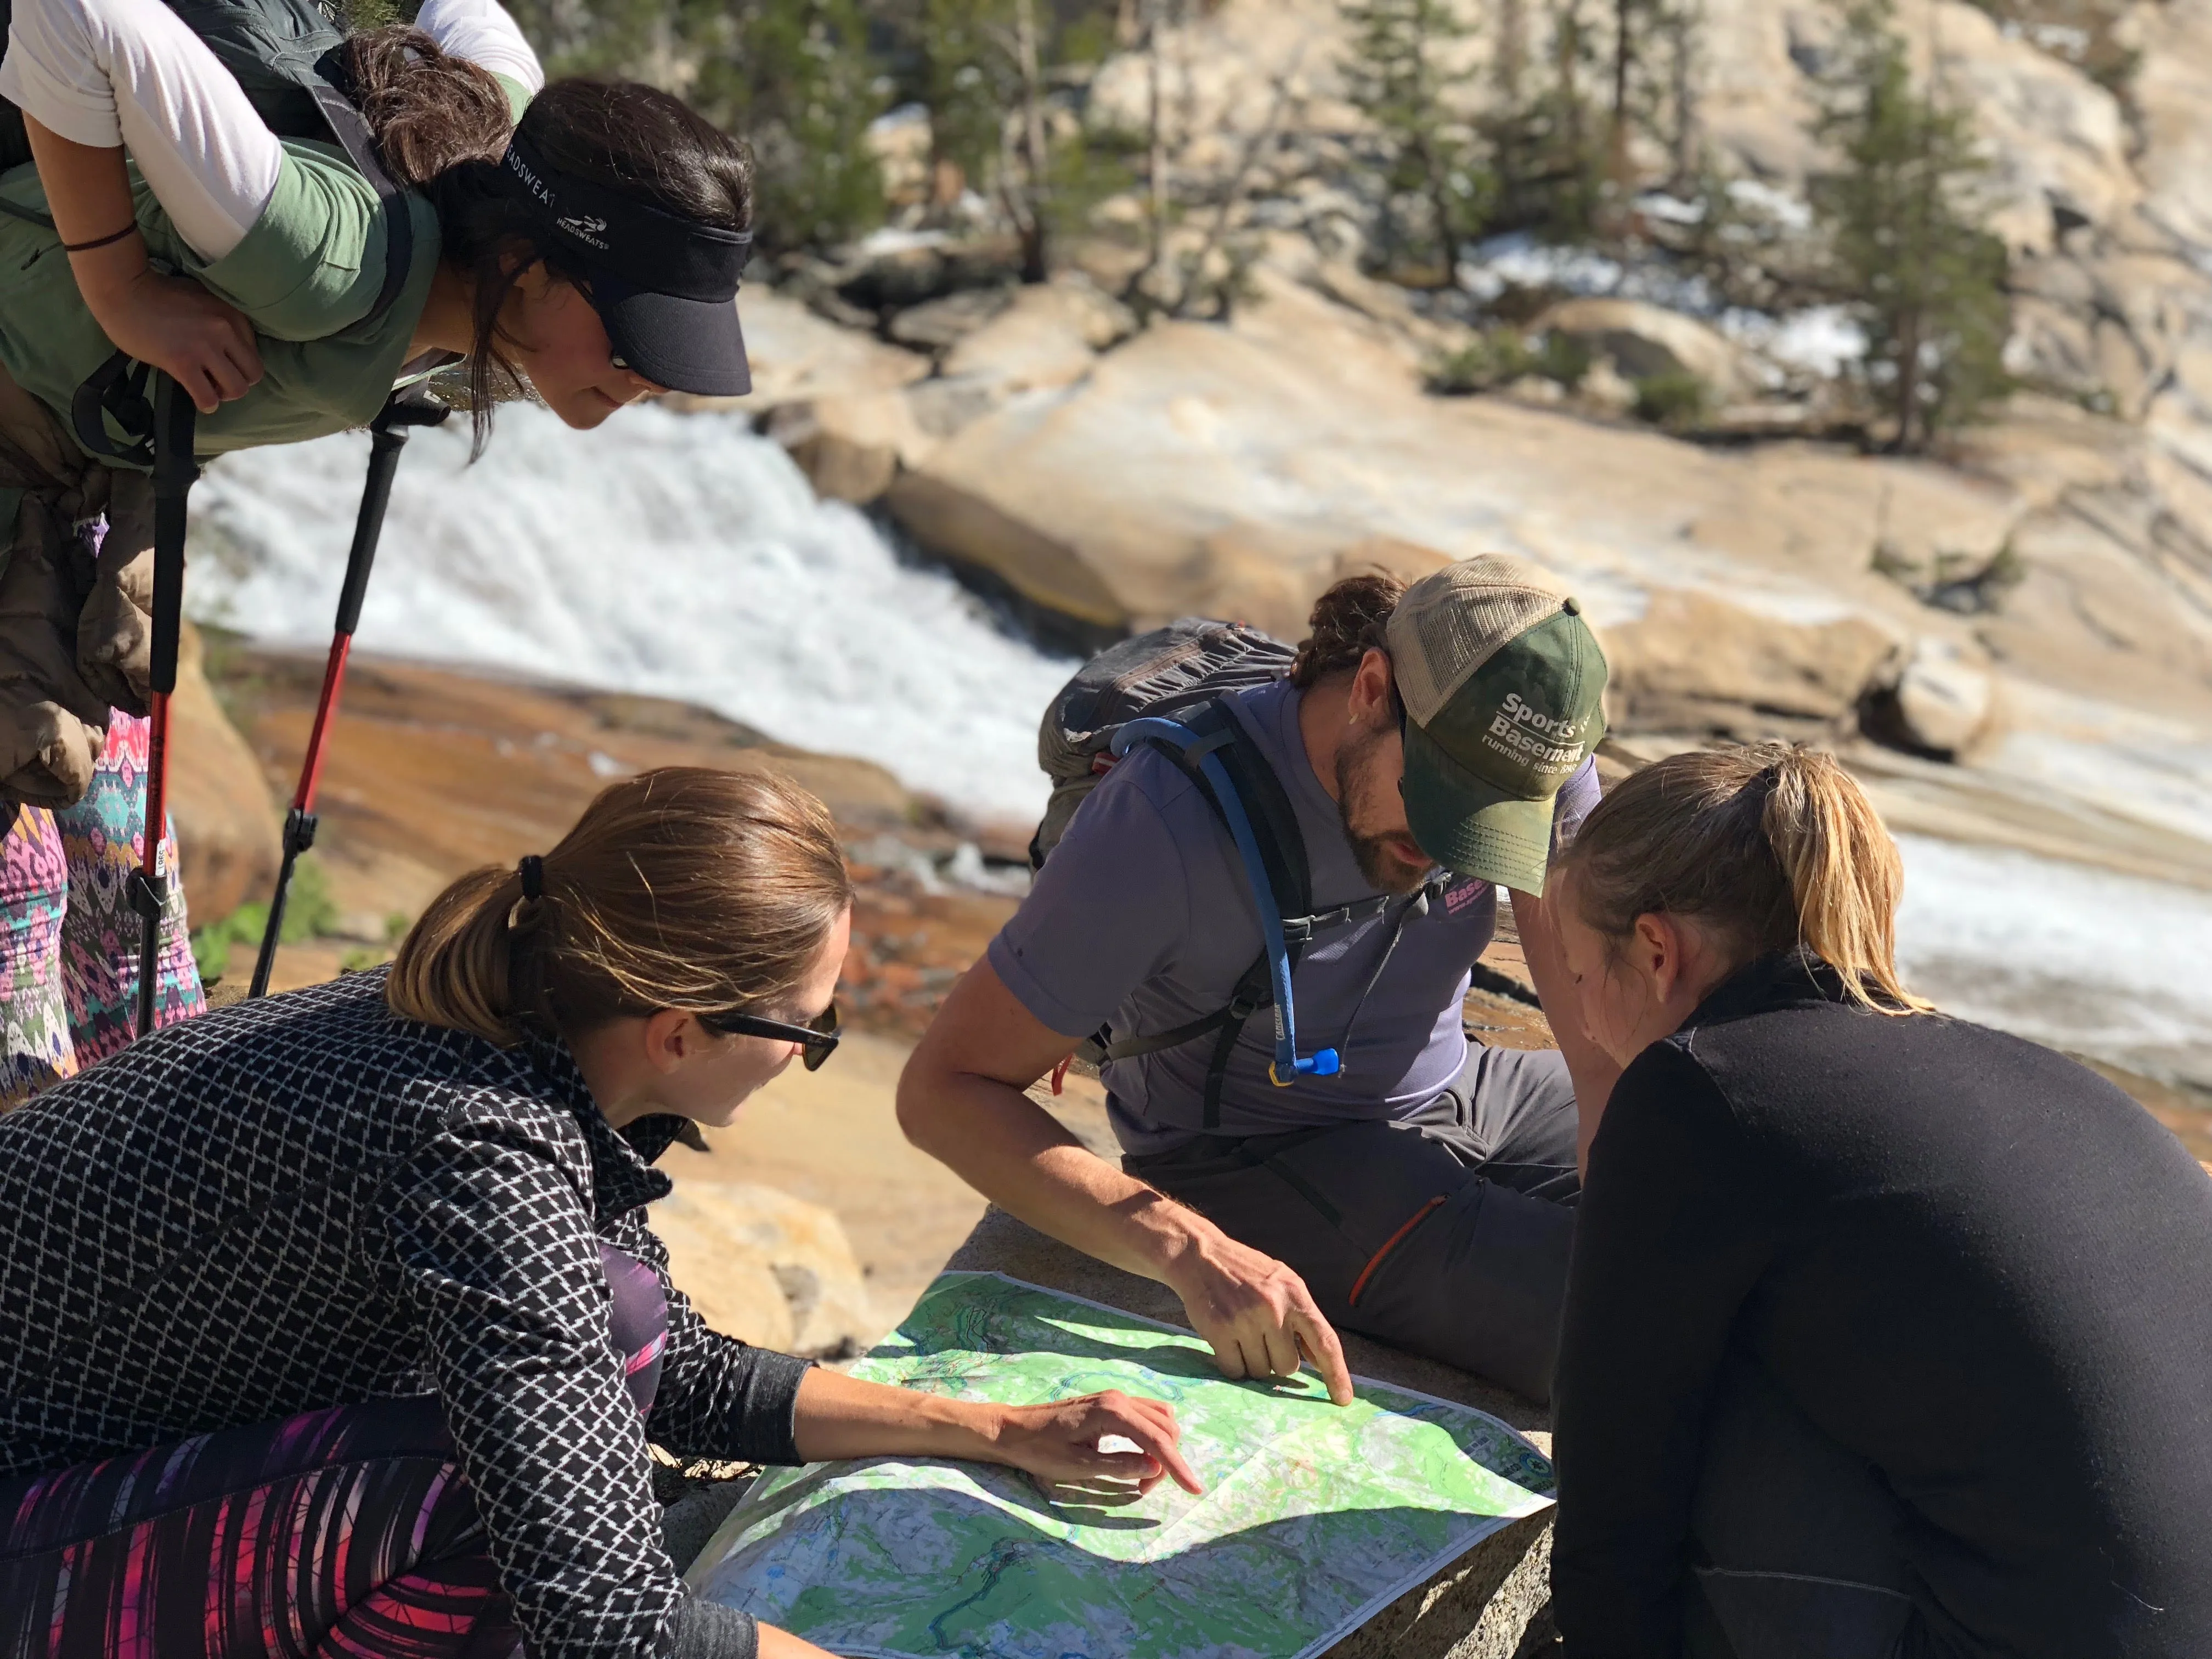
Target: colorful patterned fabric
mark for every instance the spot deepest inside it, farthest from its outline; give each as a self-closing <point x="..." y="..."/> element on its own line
<point x="304" y="1201"/>
<point x="34" y="1013"/>
<point x="101" y="932"/>
<point x="68" y="938"/>
<point x="350" y="1533"/>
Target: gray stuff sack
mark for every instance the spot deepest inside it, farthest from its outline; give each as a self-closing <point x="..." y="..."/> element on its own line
<point x="1170" y="673"/>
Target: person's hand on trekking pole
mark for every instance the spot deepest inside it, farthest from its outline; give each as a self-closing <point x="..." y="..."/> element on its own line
<point x="1257" y="1314"/>
<point x="202" y="343"/>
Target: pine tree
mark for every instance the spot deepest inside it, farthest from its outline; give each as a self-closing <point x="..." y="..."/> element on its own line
<point x="795" y="78"/>
<point x="986" y="74"/>
<point x="1927" y="282"/>
<point x="1401" y="75"/>
<point x="971" y="77"/>
<point x="1546" y="137"/>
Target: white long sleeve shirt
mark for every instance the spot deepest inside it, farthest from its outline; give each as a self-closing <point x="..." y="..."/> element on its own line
<point x="129" y="73"/>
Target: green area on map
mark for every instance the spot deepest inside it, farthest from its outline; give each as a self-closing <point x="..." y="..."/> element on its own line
<point x="1314" y="1517"/>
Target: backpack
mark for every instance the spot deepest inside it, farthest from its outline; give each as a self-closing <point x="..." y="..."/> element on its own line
<point x="1165" y="689"/>
<point x="285" y="57"/>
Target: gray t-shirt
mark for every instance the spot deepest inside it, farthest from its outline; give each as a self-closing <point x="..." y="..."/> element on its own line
<point x="1143" y="918"/>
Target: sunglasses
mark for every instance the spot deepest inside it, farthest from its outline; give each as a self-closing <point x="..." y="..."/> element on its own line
<point x="818" y="1034"/>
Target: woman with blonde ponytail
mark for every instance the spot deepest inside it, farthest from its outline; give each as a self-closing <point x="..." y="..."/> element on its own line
<point x="346" y="1298"/>
<point x="1885" y="1334"/>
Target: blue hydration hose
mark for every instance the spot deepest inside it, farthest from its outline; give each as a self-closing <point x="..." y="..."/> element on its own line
<point x="1287" y="1067"/>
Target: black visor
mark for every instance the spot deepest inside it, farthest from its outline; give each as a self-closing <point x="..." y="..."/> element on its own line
<point x="666" y="287"/>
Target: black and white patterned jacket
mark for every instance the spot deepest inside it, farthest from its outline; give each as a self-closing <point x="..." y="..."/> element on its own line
<point x="306" y="1201"/>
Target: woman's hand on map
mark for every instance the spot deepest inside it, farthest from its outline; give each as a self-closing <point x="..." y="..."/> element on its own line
<point x="1257" y="1314"/>
<point x="1060" y="1443"/>
<point x="840" y="1416"/>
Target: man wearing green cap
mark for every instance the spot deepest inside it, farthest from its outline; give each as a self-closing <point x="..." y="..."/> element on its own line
<point x="1429" y="742"/>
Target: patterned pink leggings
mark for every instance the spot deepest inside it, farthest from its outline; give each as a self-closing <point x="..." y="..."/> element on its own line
<point x="343" y="1534"/>
<point x="68" y="938"/>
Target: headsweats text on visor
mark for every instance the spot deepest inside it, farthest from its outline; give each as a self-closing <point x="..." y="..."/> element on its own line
<point x="664" y="285"/>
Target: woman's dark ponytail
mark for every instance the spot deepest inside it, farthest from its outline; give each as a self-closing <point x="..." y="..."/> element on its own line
<point x="1347" y="622"/>
<point x="428" y="110"/>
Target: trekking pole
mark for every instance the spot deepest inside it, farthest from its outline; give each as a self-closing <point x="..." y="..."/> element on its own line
<point x="387" y="436"/>
<point x="174" y="472"/>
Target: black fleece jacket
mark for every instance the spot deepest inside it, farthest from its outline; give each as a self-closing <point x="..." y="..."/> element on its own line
<point x="1973" y="1262"/>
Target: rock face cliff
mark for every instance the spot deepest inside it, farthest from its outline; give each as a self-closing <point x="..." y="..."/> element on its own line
<point x="2044" y="587"/>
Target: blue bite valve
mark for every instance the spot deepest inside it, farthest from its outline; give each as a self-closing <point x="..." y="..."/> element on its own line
<point x="1324" y="1064"/>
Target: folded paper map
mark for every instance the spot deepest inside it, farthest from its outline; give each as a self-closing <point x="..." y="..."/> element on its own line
<point x="1314" y="1517"/>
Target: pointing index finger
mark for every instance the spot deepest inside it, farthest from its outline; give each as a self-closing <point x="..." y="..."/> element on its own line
<point x="1318" y="1338"/>
<point x="1138" y="1427"/>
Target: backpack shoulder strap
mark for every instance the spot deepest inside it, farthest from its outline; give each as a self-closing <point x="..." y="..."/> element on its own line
<point x="1213" y="749"/>
<point x="329" y="87"/>
<point x="1267" y="809"/>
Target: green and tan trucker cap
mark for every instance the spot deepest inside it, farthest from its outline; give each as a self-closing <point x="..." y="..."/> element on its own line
<point x="1503" y="686"/>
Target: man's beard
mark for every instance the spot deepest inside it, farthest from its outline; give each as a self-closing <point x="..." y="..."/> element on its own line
<point x="1379" y="859"/>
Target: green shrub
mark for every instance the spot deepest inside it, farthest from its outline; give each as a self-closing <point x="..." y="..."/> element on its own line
<point x="1564" y="358"/>
<point x="310" y="912"/>
<point x="1486" y="362"/>
<point x="1675" y="399"/>
<point x="1503" y="355"/>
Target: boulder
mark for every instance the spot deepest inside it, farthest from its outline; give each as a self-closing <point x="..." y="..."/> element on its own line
<point x="797" y="355"/>
<point x="850" y="445"/>
<point x="2171" y="96"/>
<point x="1390" y="556"/>
<point x="766" y="1267"/>
<point x="1694" y="663"/>
<point x="964" y="525"/>
<point x="2055" y="139"/>
<point x="228" y="825"/>
<point x="935" y="325"/>
<point x="1648" y="340"/>
<point x="1943" y="703"/>
<point x="1222" y="470"/>
<point x="1047" y="337"/>
<point x="2056" y="143"/>
<point x="901" y="141"/>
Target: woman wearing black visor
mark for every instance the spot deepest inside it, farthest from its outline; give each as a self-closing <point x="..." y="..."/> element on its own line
<point x="585" y="238"/>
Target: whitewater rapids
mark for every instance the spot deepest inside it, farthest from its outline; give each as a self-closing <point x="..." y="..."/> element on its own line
<point x="674" y="555"/>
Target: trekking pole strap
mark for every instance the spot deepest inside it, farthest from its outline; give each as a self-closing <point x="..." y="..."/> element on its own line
<point x="117" y="387"/>
<point x="175" y="471"/>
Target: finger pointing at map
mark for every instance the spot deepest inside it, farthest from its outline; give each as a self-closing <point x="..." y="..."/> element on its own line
<point x="1059" y="1444"/>
<point x="1257" y="1314"/>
